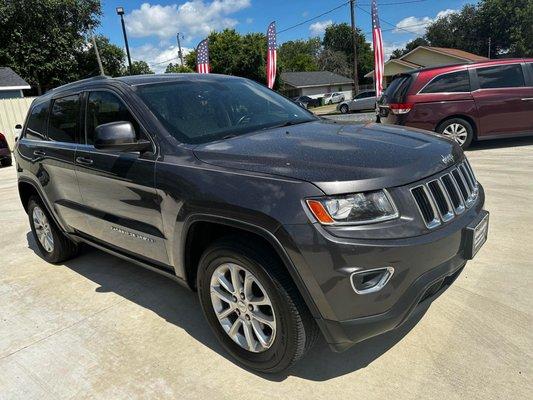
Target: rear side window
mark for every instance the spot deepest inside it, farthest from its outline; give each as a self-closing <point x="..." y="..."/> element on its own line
<point x="36" y="127"/>
<point x="501" y="76"/>
<point x="397" y="90"/>
<point x="449" y="83"/>
<point x="64" y="119"/>
<point x="105" y="107"/>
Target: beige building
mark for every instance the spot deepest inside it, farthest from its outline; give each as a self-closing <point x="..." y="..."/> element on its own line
<point x="425" y="56"/>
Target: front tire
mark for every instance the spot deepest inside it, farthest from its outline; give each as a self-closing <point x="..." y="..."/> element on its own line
<point x="344" y="109"/>
<point x="253" y="307"/>
<point x="55" y="247"/>
<point x="458" y="129"/>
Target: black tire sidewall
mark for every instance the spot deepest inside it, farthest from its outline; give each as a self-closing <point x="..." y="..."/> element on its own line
<point x="469" y="129"/>
<point x="281" y="351"/>
<point x="61" y="249"/>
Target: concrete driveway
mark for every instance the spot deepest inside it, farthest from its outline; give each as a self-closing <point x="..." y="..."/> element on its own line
<point x="99" y="327"/>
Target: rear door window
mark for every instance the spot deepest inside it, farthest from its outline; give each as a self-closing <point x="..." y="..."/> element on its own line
<point x="501" y="76"/>
<point x="36" y="128"/>
<point x="397" y="90"/>
<point x="449" y="83"/>
<point x="64" y="118"/>
<point x="103" y="108"/>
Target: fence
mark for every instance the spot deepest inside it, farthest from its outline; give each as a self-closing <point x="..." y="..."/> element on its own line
<point x="13" y="112"/>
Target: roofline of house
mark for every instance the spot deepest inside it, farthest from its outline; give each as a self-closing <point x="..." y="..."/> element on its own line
<point x="437" y="51"/>
<point x="15" y="87"/>
<point x="398" y="61"/>
<point x="323" y="84"/>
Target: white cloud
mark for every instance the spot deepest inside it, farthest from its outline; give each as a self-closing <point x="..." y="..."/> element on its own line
<point x="389" y="47"/>
<point x="249" y="21"/>
<point x="158" y="57"/>
<point x="193" y="18"/>
<point x="418" y="25"/>
<point x="319" y="27"/>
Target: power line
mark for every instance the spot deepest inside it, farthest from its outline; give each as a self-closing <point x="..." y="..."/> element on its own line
<point x="395" y="26"/>
<point x="313" y="18"/>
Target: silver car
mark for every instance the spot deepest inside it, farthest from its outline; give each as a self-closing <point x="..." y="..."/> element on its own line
<point x="332" y="98"/>
<point x="363" y="101"/>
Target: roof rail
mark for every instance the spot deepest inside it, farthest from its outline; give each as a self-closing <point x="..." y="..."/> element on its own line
<point x="86" y="80"/>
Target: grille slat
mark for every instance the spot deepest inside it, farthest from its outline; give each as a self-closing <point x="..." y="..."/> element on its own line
<point x="441" y="199"/>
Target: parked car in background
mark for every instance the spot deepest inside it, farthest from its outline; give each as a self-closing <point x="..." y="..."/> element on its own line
<point x="5" y="152"/>
<point x="307" y="101"/>
<point x="332" y="98"/>
<point x="478" y="101"/>
<point x="362" y="101"/>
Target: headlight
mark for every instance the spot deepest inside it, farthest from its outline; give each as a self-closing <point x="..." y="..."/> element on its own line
<point x="354" y="209"/>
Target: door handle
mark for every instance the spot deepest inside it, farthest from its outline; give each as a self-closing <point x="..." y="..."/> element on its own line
<point x="527" y="99"/>
<point x="39" y="153"/>
<point x="84" y="161"/>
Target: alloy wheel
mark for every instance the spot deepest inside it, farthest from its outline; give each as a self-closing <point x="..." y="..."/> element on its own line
<point x="457" y="132"/>
<point x="243" y="307"/>
<point x="43" y="229"/>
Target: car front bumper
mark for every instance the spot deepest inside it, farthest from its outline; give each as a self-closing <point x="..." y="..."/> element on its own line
<point x="424" y="266"/>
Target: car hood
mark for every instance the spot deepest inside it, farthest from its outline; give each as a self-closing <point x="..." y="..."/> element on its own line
<point x="338" y="158"/>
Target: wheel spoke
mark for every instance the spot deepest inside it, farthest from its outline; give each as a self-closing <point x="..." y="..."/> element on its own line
<point x="248" y="334"/>
<point x="225" y="283"/>
<point x="234" y="330"/>
<point x="235" y="278"/>
<point x="225" y="313"/>
<point x="263" y="339"/>
<point x="248" y="281"/>
<point x="265" y="319"/>
<point x="217" y="291"/>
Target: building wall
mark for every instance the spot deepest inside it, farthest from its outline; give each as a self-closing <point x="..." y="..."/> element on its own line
<point x="11" y="94"/>
<point x="13" y="112"/>
<point x="428" y="58"/>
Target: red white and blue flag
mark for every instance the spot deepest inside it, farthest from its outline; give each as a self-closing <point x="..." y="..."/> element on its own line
<point x="272" y="55"/>
<point x="202" y="57"/>
<point x="379" y="58"/>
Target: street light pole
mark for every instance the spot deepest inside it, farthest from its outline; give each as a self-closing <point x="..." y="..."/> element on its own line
<point x="180" y="54"/>
<point x="120" y="11"/>
<point x="354" y="37"/>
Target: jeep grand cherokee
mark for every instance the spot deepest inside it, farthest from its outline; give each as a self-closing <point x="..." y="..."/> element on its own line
<point x="287" y="225"/>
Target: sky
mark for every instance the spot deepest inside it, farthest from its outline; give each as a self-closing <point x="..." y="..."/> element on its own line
<point x="152" y="26"/>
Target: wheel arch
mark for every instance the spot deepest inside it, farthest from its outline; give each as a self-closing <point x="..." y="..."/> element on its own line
<point x="461" y="116"/>
<point x="202" y="230"/>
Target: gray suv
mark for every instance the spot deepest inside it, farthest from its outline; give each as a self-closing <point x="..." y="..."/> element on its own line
<point x="288" y="226"/>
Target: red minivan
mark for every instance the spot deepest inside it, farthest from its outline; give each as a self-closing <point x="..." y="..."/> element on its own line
<point x="477" y="101"/>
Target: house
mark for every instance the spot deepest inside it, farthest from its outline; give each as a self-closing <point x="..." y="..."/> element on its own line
<point x="11" y="85"/>
<point x="315" y="84"/>
<point x="425" y="56"/>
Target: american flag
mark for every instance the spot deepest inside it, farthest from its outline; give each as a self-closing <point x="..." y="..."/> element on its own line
<point x="202" y="57"/>
<point x="379" y="61"/>
<point x="272" y="55"/>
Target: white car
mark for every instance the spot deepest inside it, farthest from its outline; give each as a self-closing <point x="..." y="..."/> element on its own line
<point x="363" y="101"/>
<point x="332" y="98"/>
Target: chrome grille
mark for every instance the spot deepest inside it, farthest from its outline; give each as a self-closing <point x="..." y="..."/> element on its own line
<point x="443" y="198"/>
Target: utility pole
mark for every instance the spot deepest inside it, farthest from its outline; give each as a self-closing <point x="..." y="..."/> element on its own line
<point x="120" y="11"/>
<point x="489" y="46"/>
<point x="98" y="57"/>
<point x="180" y="54"/>
<point x="355" y="77"/>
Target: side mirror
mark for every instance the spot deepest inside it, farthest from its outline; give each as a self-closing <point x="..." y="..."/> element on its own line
<point x="118" y="136"/>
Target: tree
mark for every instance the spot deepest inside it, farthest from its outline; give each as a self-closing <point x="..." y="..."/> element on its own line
<point x="176" y="69"/>
<point x="112" y="59"/>
<point x="410" y="46"/>
<point x="139" y="68"/>
<point x="39" y="39"/>
<point x="507" y="24"/>
<point x="299" y="55"/>
<point x="338" y="38"/>
<point x="334" y="61"/>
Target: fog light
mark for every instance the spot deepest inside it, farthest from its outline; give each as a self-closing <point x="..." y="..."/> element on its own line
<point x="371" y="280"/>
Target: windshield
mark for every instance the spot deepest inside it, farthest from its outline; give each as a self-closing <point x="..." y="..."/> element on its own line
<point x="200" y="111"/>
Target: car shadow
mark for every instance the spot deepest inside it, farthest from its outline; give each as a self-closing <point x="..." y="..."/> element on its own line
<point x="501" y="143"/>
<point x="180" y="306"/>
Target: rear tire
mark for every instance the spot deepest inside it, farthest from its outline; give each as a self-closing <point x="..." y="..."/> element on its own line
<point x="54" y="246"/>
<point x="344" y="109"/>
<point x="458" y="129"/>
<point x="291" y="330"/>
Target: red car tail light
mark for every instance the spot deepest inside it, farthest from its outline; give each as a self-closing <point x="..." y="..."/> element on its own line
<point x="400" y="108"/>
